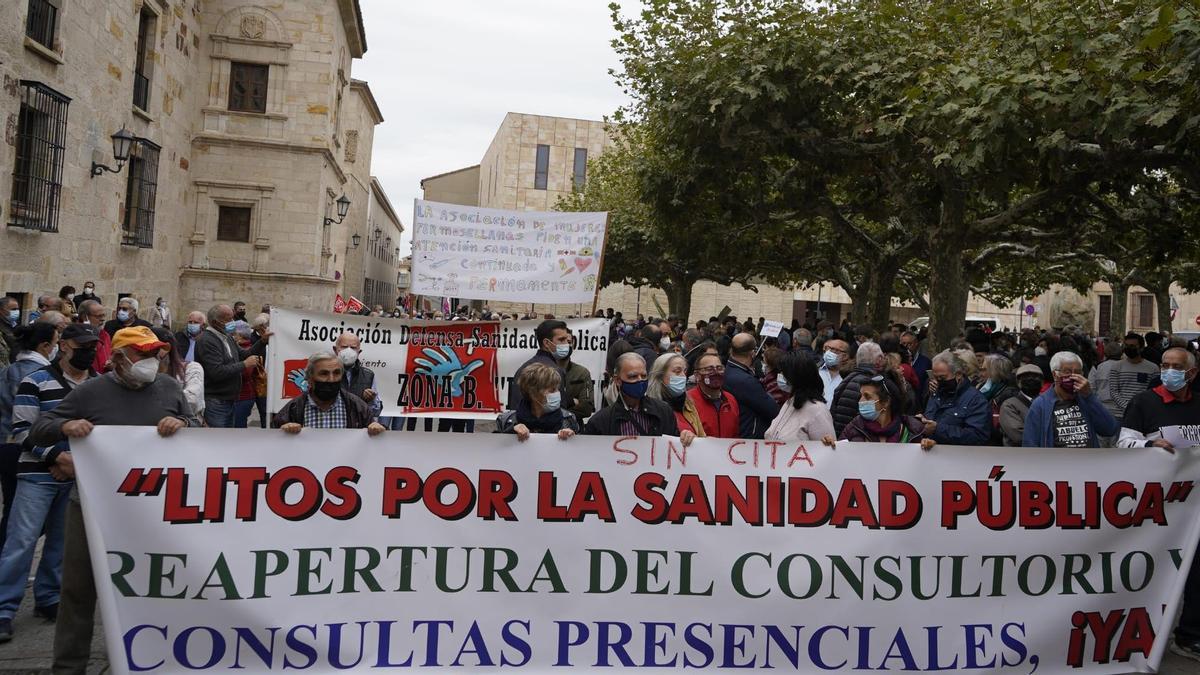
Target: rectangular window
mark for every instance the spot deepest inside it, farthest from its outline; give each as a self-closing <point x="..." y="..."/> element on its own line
<point x="142" y="61"/>
<point x="141" y="192"/>
<point x="542" y="172"/>
<point x="42" y="22"/>
<point x="233" y="223"/>
<point x="248" y="87"/>
<point x="1145" y="310"/>
<point x="41" y="143"/>
<point x="580" y="167"/>
<point x="1104" y="325"/>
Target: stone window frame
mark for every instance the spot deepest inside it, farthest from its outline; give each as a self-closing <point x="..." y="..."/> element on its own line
<point x="210" y="195"/>
<point x="275" y="54"/>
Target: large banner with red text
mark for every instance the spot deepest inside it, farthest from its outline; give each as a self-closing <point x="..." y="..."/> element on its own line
<point x="454" y="369"/>
<point x="332" y="550"/>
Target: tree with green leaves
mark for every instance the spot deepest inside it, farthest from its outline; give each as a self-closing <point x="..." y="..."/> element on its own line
<point x="960" y="126"/>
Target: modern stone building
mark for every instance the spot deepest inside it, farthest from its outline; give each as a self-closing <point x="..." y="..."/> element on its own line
<point x="247" y="129"/>
<point x="533" y="160"/>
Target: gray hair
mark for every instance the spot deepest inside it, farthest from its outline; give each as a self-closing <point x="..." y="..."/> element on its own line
<point x="133" y="303"/>
<point x="999" y="368"/>
<point x="51" y="316"/>
<point x="661" y="365"/>
<point x="1191" y="358"/>
<point x="1061" y="358"/>
<point x="316" y="358"/>
<point x="242" y="329"/>
<point x="951" y="361"/>
<point x="626" y="358"/>
<point x="868" y="354"/>
<point x="803" y="337"/>
<point x="261" y="321"/>
<point x="214" y="315"/>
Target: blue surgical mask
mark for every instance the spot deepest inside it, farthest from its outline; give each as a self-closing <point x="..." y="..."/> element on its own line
<point x="782" y="383"/>
<point x="553" y="401"/>
<point x="193" y="329"/>
<point x="562" y="351"/>
<point x="635" y="390"/>
<point x="831" y="359"/>
<point x="229" y="327"/>
<point x="1174" y="380"/>
<point x="14" y="316"/>
<point x="868" y="410"/>
<point x="987" y="387"/>
<point x="677" y="385"/>
<point x="122" y="315"/>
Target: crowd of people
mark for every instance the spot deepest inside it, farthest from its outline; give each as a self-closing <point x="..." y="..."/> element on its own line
<point x="74" y="363"/>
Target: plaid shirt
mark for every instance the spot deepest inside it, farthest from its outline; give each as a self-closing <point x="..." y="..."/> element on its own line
<point x="334" y="418"/>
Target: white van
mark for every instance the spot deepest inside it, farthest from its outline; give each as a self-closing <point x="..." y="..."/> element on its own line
<point x="988" y="322"/>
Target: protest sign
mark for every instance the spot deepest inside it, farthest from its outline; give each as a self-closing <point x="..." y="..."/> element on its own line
<point x="771" y="329"/>
<point x="330" y="550"/>
<point x="453" y="369"/>
<point x="521" y="256"/>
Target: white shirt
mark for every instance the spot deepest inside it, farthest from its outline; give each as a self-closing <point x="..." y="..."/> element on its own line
<point x="831" y="379"/>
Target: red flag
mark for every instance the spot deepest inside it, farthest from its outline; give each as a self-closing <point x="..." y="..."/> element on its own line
<point x="354" y="305"/>
<point x="339" y="305"/>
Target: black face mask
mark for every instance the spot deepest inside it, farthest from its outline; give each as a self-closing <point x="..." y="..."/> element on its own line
<point x="947" y="388"/>
<point x="326" y="391"/>
<point x="82" y="359"/>
<point x="1132" y="352"/>
<point x="1030" y="386"/>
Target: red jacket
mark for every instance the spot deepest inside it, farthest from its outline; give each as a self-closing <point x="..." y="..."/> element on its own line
<point x="721" y="423"/>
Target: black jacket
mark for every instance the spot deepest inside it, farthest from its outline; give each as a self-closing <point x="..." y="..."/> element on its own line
<point x="607" y="422"/>
<point x="222" y="361"/>
<point x="80" y="298"/>
<point x="358" y="413"/>
<point x="643" y="348"/>
<point x="844" y="406"/>
<point x="507" y="423"/>
<point x="514" y="392"/>
<point x="756" y="408"/>
<point x="112" y="325"/>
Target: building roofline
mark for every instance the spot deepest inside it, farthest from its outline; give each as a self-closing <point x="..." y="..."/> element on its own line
<point x="364" y="90"/>
<point x="559" y="117"/>
<point x="356" y="33"/>
<point x="381" y="195"/>
<point x="448" y="173"/>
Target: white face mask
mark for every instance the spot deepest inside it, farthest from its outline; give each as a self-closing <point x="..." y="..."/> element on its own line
<point x="144" y="371"/>
<point x="348" y="356"/>
<point x="665" y="343"/>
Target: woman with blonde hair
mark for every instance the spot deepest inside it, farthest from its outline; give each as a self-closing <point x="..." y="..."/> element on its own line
<point x="668" y="383"/>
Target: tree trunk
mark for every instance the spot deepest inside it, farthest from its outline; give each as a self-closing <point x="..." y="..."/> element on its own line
<point x="883" y="281"/>
<point x="860" y="299"/>
<point x="947" y="286"/>
<point x="1120" y="310"/>
<point x="1162" y="303"/>
<point x="679" y="299"/>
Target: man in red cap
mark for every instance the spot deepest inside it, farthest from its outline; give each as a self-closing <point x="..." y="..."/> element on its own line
<point x="132" y="394"/>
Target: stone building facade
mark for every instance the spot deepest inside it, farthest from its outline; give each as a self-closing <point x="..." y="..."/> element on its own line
<point x="248" y="126"/>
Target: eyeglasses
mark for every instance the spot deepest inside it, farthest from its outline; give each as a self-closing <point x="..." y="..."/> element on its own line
<point x="1167" y="366"/>
<point x="835" y="350"/>
<point x="711" y="370"/>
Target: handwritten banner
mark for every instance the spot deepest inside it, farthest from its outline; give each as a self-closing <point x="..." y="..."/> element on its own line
<point x="454" y="369"/>
<point x="330" y="550"/>
<point x="522" y="256"/>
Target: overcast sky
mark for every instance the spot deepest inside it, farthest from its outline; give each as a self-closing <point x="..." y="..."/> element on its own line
<point x="446" y="71"/>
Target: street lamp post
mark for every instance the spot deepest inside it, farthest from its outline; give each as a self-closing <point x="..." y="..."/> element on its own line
<point x="122" y="144"/>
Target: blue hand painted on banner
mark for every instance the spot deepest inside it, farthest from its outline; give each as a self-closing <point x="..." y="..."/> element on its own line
<point x="444" y="362"/>
<point x="297" y="378"/>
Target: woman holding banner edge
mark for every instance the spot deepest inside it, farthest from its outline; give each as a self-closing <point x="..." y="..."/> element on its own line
<point x="540" y="409"/>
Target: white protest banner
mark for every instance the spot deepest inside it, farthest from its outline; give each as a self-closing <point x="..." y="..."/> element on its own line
<point x="771" y="329"/>
<point x="1182" y="435"/>
<point x="453" y="369"/>
<point x="545" y="257"/>
<point x="261" y="551"/>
